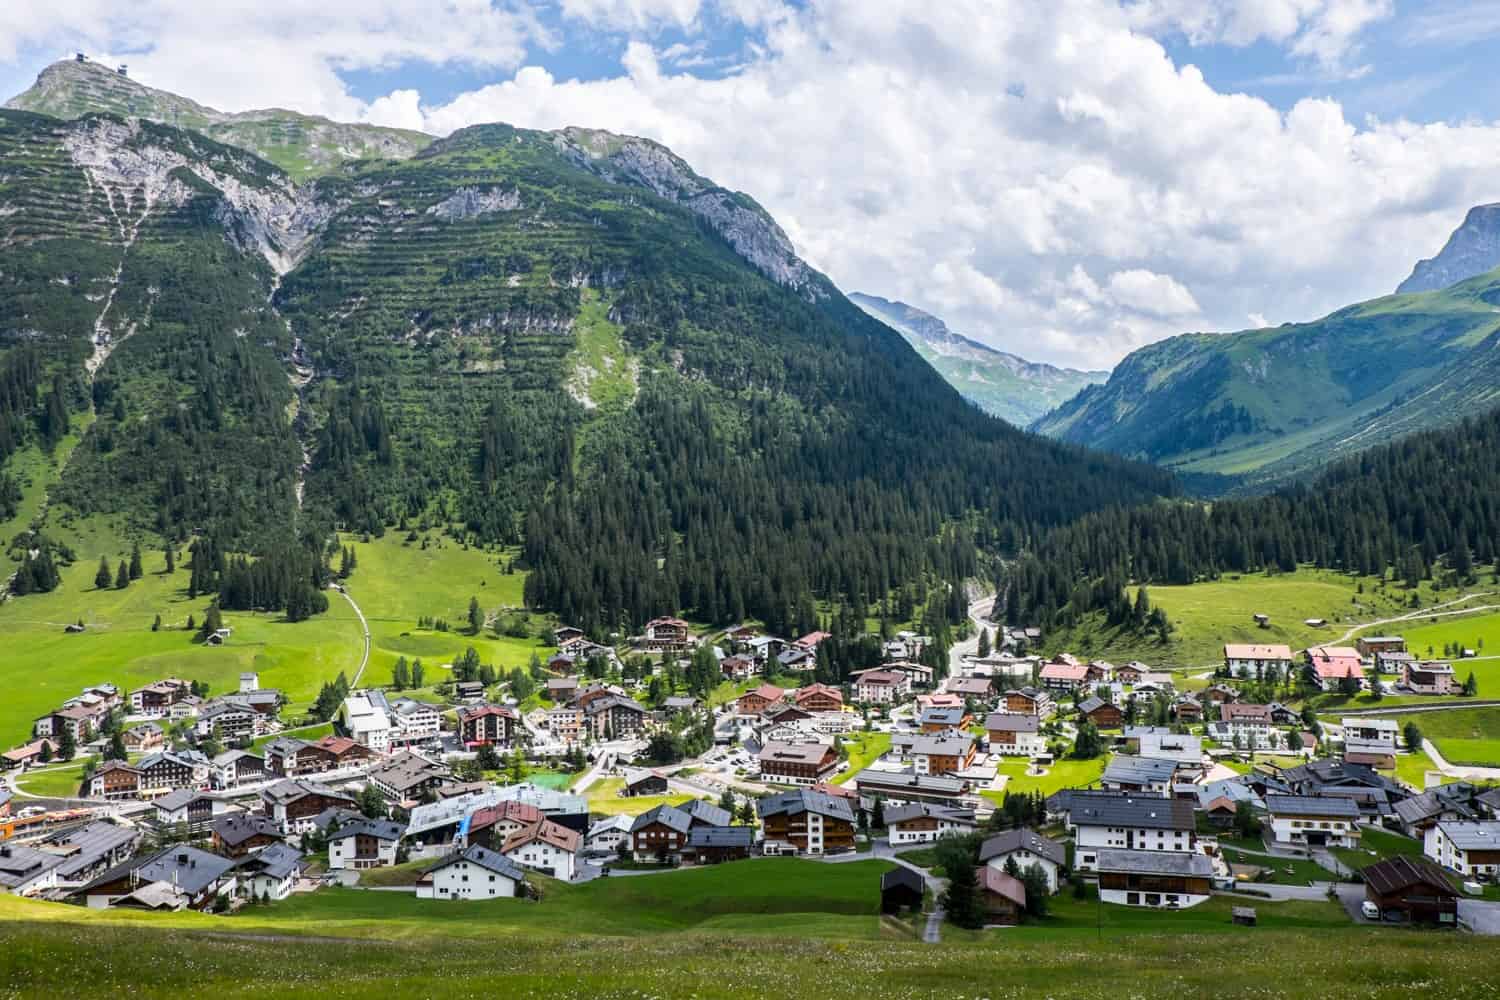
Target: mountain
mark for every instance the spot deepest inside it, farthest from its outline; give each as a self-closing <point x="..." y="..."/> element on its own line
<point x="1473" y="249"/>
<point x="1010" y="387"/>
<point x="302" y="145"/>
<point x="564" y="341"/>
<point x="1263" y="405"/>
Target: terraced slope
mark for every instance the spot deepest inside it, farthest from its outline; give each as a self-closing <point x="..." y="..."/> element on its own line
<point x="303" y="145"/>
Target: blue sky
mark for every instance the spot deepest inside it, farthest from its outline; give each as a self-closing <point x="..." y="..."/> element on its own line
<point x="1067" y="179"/>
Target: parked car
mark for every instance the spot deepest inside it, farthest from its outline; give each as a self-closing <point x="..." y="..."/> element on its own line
<point x="1370" y="910"/>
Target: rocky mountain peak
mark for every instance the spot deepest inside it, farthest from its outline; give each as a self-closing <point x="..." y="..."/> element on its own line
<point x="1473" y="249"/>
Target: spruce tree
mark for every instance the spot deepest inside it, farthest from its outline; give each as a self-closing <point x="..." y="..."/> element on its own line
<point x="135" y="561"/>
<point x="122" y="578"/>
<point x="103" y="577"/>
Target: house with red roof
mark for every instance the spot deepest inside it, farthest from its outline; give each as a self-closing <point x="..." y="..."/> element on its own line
<point x="1332" y="664"/>
<point x="1064" y="676"/>
<point x="755" y="701"/>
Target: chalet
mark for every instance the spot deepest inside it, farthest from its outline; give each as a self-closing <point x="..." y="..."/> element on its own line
<point x="165" y="770"/>
<point x="941" y="754"/>
<point x="1411" y="889"/>
<point x="265" y="702"/>
<point x="940" y="720"/>
<point x="901" y="889"/>
<point x="156" y="698"/>
<point x="1140" y="775"/>
<point x="1370" y="645"/>
<point x="225" y="722"/>
<point x="923" y="823"/>
<point x="87" y="851"/>
<point x="294" y="803"/>
<point x="185" y="808"/>
<point x="1243" y="725"/>
<point x="614" y="717"/>
<point x="677" y="704"/>
<point x="940" y="700"/>
<point x="1429" y="677"/>
<point x="659" y="834"/>
<point x="25" y="870"/>
<point x="114" y="779"/>
<point x="234" y="768"/>
<point x="79" y="720"/>
<point x="288" y="757"/>
<point x="1027" y="848"/>
<point x="756" y="701"/>
<point x="797" y="763"/>
<point x="364" y="843"/>
<point x="407" y="777"/>
<point x="1101" y="713"/>
<point x="566" y="723"/>
<point x="271" y="873"/>
<point x="982" y="688"/>
<point x="644" y="782"/>
<point x="1131" y="673"/>
<point x="175" y="878"/>
<point x="564" y="634"/>
<point x="469" y="691"/>
<point x="1064" y="676"/>
<point x="1254" y="659"/>
<point x="1369" y="735"/>
<point x="1188" y="709"/>
<point x="1471" y="849"/>
<point x="343" y="751"/>
<point x="1105" y="821"/>
<point x="737" y="667"/>
<point x="818" y="698"/>
<point x="806" y="822"/>
<point x="1332" y="665"/>
<point x="184" y="708"/>
<point x="1313" y="821"/>
<point x="491" y="826"/>
<point x="608" y="834"/>
<point x="882" y="687"/>
<point x="667" y="633"/>
<point x="919" y="675"/>
<point x="1002" y="897"/>
<point x="908" y="786"/>
<point x="561" y="690"/>
<point x="710" y="845"/>
<point x="472" y="873"/>
<point x="143" y="737"/>
<point x="1219" y="694"/>
<point x="238" y="834"/>
<point x="27" y="754"/>
<point x="1029" y="701"/>
<point x="1455" y="802"/>
<point x="486" y="725"/>
<point x="1153" y="878"/>
<point x="1015" y="734"/>
<point x="572" y="811"/>
<point x="1393" y="663"/>
<point x="546" y="847"/>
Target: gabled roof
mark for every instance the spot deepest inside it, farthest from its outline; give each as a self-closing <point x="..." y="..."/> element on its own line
<point x="1311" y="805"/>
<point x="903" y="877"/>
<point x="668" y="816"/>
<point x="703" y="812"/>
<point x="1127" y="770"/>
<point x="189" y="869"/>
<point x="545" y="832"/>
<point x="1403" y="872"/>
<point x="805" y="800"/>
<point x="1155" y="863"/>
<point x="770" y="692"/>
<point x="1003" y="885"/>
<point x="290" y="790"/>
<point x="1065" y="671"/>
<point x="924" y="810"/>
<point x="1021" y="839"/>
<point x="1472" y="836"/>
<point x="1142" y="812"/>
<point x="484" y="858"/>
<point x="721" y="836"/>
<point x="237" y="828"/>
<point x="380" y="829"/>
<point x="275" y="861"/>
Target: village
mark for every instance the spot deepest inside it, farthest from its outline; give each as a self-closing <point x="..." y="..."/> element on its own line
<point x="1151" y="789"/>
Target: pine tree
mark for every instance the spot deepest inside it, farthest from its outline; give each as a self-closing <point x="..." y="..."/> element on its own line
<point x="156" y="624"/>
<point x="984" y="643"/>
<point x="122" y="578"/>
<point x="401" y="674"/>
<point x="171" y="558"/>
<point x="476" y="616"/>
<point x="116" y="749"/>
<point x="418" y="674"/>
<point x="67" y="745"/>
<point x="135" y="561"/>
<point x="103" y="577"/>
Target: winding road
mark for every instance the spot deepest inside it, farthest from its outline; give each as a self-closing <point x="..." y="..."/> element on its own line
<point x="364" y="625"/>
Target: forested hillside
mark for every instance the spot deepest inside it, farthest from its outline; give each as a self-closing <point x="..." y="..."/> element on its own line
<point x="568" y="340"/>
<point x="1422" y="506"/>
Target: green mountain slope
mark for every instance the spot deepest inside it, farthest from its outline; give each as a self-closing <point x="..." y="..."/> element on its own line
<point x="1008" y="386"/>
<point x="1264" y="405"/>
<point x="302" y="145"/>
<point x="566" y="340"/>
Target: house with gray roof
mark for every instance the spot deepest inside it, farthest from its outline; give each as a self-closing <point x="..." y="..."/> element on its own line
<point x="364" y="843"/>
<point x="1313" y="820"/>
<point x="1470" y="848"/>
<point x="472" y="873"/>
<point x="1114" y="821"/>
<point x="1144" y="775"/>
<point x="176" y="877"/>
<point x="271" y="873"/>
<point x="1168" y="880"/>
<point x="1025" y="847"/>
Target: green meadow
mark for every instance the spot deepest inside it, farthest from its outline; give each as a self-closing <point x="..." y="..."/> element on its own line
<point x="767" y="928"/>
<point x="1462" y="735"/>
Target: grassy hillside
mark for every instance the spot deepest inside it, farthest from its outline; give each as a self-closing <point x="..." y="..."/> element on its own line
<point x="759" y="929"/>
<point x="1462" y="735"/>
<point x="1265" y="404"/>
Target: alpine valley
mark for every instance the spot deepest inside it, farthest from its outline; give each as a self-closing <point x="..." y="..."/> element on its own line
<point x="251" y="330"/>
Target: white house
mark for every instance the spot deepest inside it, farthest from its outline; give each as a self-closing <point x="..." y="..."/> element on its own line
<point x="923" y="823"/>
<point x="271" y="873"/>
<point x="547" y="847"/>
<point x="1027" y="848"/>
<point x="1466" y="848"/>
<point x="1252" y="659"/>
<point x="608" y="834"/>
<point x="414" y="721"/>
<point x="473" y="873"/>
<point x="365" y="716"/>
<point x="1369" y="735"/>
<point x="365" y="843"/>
<point x="1155" y="879"/>
<point x="882" y="687"/>
<point x="1312" y="821"/>
<point x="1129" y="822"/>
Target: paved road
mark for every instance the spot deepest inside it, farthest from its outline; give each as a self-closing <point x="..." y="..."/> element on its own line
<point x="1479" y="916"/>
<point x="1457" y="770"/>
<point x="1318" y="890"/>
<point x="364" y="625"/>
<point x="979" y="611"/>
<point x="1432" y="612"/>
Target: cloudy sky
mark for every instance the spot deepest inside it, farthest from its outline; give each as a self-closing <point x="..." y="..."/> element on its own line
<point x="1068" y="179"/>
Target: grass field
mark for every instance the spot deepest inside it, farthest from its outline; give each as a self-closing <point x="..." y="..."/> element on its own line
<point x="396" y="582"/>
<point x="43" y="665"/>
<point x="1480" y="633"/>
<point x="1064" y="774"/>
<point x="1462" y="735"/>
<point x="1412" y="768"/>
<point x="748" y="929"/>
<point x="1301" y="873"/>
<point x="863" y="749"/>
<point x="605" y="799"/>
<point x="1207" y="615"/>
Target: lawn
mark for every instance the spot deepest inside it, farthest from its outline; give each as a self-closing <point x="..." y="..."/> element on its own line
<point x="1207" y="615"/>
<point x="1462" y="735"/>
<point x="747" y="929"/>
<point x="1481" y="633"/>
<point x="1412" y="768"/>
<point x="863" y="749"/>
<point x="1064" y="774"/>
<point x="604" y="798"/>
<point x="396" y="582"/>
<point x="44" y="666"/>
<point x="1376" y="845"/>
<point x="403" y="874"/>
<point x="1302" y="872"/>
